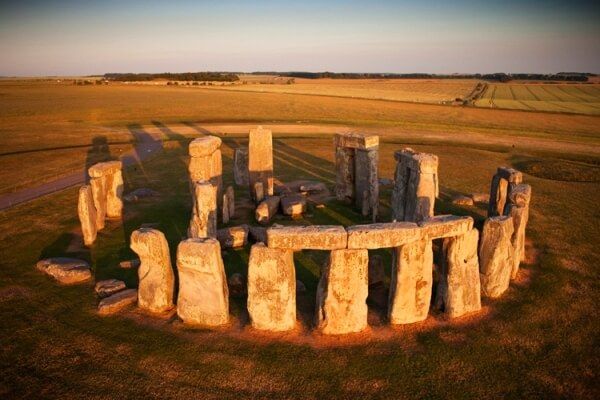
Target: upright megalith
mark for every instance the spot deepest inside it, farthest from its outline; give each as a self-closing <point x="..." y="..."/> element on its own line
<point x="459" y="289"/>
<point x="503" y="182"/>
<point x="203" y="297"/>
<point x="240" y="166"/>
<point x="271" y="288"/>
<point x="518" y="210"/>
<point x="87" y="214"/>
<point x="106" y="180"/>
<point x="411" y="283"/>
<point x="156" y="278"/>
<point x="204" y="212"/>
<point x="356" y="166"/>
<point x="228" y="204"/>
<point x="342" y="293"/>
<point x="496" y="255"/>
<point x="260" y="160"/>
<point x="206" y="163"/>
<point x="415" y="187"/>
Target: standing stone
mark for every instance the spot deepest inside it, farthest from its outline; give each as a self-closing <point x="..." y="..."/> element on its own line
<point x="271" y="288"/>
<point x="416" y="186"/>
<point x="240" y="166"/>
<point x="203" y="296"/>
<point x="367" y="180"/>
<point x="518" y="210"/>
<point x="232" y="237"/>
<point x="156" y="278"/>
<point x="87" y="215"/>
<point x="98" y="188"/>
<point x="411" y="283"/>
<point x="230" y="197"/>
<point x="267" y="209"/>
<point x="204" y="214"/>
<point x="114" y="195"/>
<point x="260" y="160"/>
<point x="496" y="255"/>
<point x="459" y="288"/>
<point x="503" y="182"/>
<point x="344" y="173"/>
<point x="106" y="180"/>
<point x="259" y="192"/>
<point x="206" y="163"/>
<point x="342" y="293"/>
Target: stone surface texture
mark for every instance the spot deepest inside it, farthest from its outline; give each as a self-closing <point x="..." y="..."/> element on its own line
<point x="260" y="159"/>
<point x="87" y="215"/>
<point x="234" y="236"/>
<point x="118" y="301"/>
<point x="518" y="210"/>
<point x="293" y="205"/>
<point x="443" y="226"/>
<point x="382" y="235"/>
<point x="267" y="209"/>
<point x="240" y="166"/>
<point x="312" y="237"/>
<point x="496" y="256"/>
<point x="204" y="212"/>
<point x="66" y="271"/>
<point x="108" y="287"/>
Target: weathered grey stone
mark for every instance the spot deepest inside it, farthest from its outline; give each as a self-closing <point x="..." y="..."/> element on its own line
<point x="366" y="180"/>
<point x="496" y="256"/>
<point x="342" y="293"/>
<point x="117" y="301"/>
<point x="240" y="166"/>
<point x="293" y="204"/>
<point x="258" y="234"/>
<point x="203" y="297"/>
<point x="260" y="159"/>
<point x="155" y="274"/>
<point x="108" y="287"/>
<point x="459" y="285"/>
<point x="518" y="210"/>
<point x="87" y="215"/>
<point x="66" y="271"/>
<point x="312" y="237"/>
<point x="382" y="235"/>
<point x="267" y="209"/>
<point x="442" y="226"/>
<point x="204" y="213"/>
<point x="365" y="205"/>
<point x="313" y="187"/>
<point x="128" y="264"/>
<point x="232" y="237"/>
<point x="416" y="186"/>
<point x="356" y="140"/>
<point x="411" y="283"/>
<point x="376" y="270"/>
<point x="271" y="289"/>
<point x="228" y="204"/>
<point x="461" y="200"/>
<point x="237" y="284"/>
<point x="502" y="183"/>
<point x="344" y="173"/>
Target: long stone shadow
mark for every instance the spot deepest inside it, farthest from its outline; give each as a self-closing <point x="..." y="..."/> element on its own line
<point x="308" y="165"/>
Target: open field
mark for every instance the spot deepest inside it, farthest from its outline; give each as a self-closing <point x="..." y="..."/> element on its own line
<point x="538" y="341"/>
<point x="573" y="98"/>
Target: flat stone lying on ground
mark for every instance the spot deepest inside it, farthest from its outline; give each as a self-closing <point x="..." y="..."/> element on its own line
<point x="203" y="297"/>
<point x="382" y="235"/>
<point x="140" y="193"/>
<point x="313" y="237"/>
<point x="87" y="215"/>
<point x="128" y="264"/>
<point x="461" y="200"/>
<point x="155" y="274"/>
<point x="108" y="287"/>
<point x="271" y="289"/>
<point x="442" y="226"/>
<point x="342" y="293"/>
<point x="267" y="209"/>
<point x="518" y="210"/>
<point x="293" y="205"/>
<point x="118" y="301"/>
<point x="480" y="197"/>
<point x="496" y="256"/>
<point x="313" y="187"/>
<point x="66" y="271"/>
<point x="232" y="237"/>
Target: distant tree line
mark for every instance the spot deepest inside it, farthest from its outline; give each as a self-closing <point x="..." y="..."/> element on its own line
<point x="561" y="76"/>
<point x="183" y="76"/>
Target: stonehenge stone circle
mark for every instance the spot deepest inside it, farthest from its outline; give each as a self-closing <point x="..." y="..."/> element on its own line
<point x="342" y="293"/>
<point x="496" y="254"/>
<point x="416" y="185"/>
<point x="155" y="274"/>
<point x="271" y="288"/>
<point x="204" y="212"/>
<point x="203" y="297"/>
<point x="87" y="215"/>
<point x="260" y="160"/>
<point x="293" y="204"/>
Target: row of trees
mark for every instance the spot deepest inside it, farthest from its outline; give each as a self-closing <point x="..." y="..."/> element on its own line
<point x="182" y="76"/>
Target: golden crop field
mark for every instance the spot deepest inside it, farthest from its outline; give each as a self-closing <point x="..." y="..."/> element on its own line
<point x="411" y="90"/>
<point x="572" y="98"/>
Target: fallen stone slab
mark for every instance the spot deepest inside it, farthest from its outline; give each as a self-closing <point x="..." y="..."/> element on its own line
<point x="108" y="287"/>
<point x="312" y="237"/>
<point x="267" y="209"/>
<point x="480" y="197"/>
<point x="382" y="235"/>
<point x="117" y="302"/>
<point x="128" y="264"/>
<point x="204" y="146"/>
<point x="258" y="234"/>
<point x="496" y="256"/>
<point x="462" y="201"/>
<point x="294" y="205"/>
<point x="66" y="271"/>
<point x="313" y="187"/>
<point x="442" y="226"/>
<point x="232" y="237"/>
<point x="140" y="193"/>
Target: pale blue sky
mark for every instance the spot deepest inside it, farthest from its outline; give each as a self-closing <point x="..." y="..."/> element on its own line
<point x="65" y="37"/>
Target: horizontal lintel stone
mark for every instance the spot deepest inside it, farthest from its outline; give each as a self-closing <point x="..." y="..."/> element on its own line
<point x="312" y="237"/>
<point x="356" y="140"/>
<point x="104" y="168"/>
<point x="204" y="146"/>
<point x="382" y="235"/>
<point x="443" y="226"/>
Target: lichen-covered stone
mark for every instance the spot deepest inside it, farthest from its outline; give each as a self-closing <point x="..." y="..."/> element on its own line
<point x="66" y="271"/>
<point x="204" y="212"/>
<point x="267" y="209"/>
<point x="155" y="274"/>
<point x="118" y="301"/>
<point x="271" y="289"/>
<point x="342" y="293"/>
<point x="312" y="237"/>
<point x="87" y="215"/>
<point x="232" y="237"/>
<point x="382" y="235"/>
<point x="344" y="173"/>
<point x="411" y="283"/>
<point x="260" y="159"/>
<point x="366" y="181"/>
<point x="203" y="297"/>
<point x="496" y="256"/>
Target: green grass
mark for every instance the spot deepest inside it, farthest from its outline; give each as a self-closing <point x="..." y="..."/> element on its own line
<point x="538" y="341"/>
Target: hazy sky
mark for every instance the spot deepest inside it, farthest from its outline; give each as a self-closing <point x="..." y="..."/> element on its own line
<point x="65" y="37"/>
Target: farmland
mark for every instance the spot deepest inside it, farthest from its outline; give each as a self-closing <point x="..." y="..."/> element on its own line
<point x="571" y="98"/>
